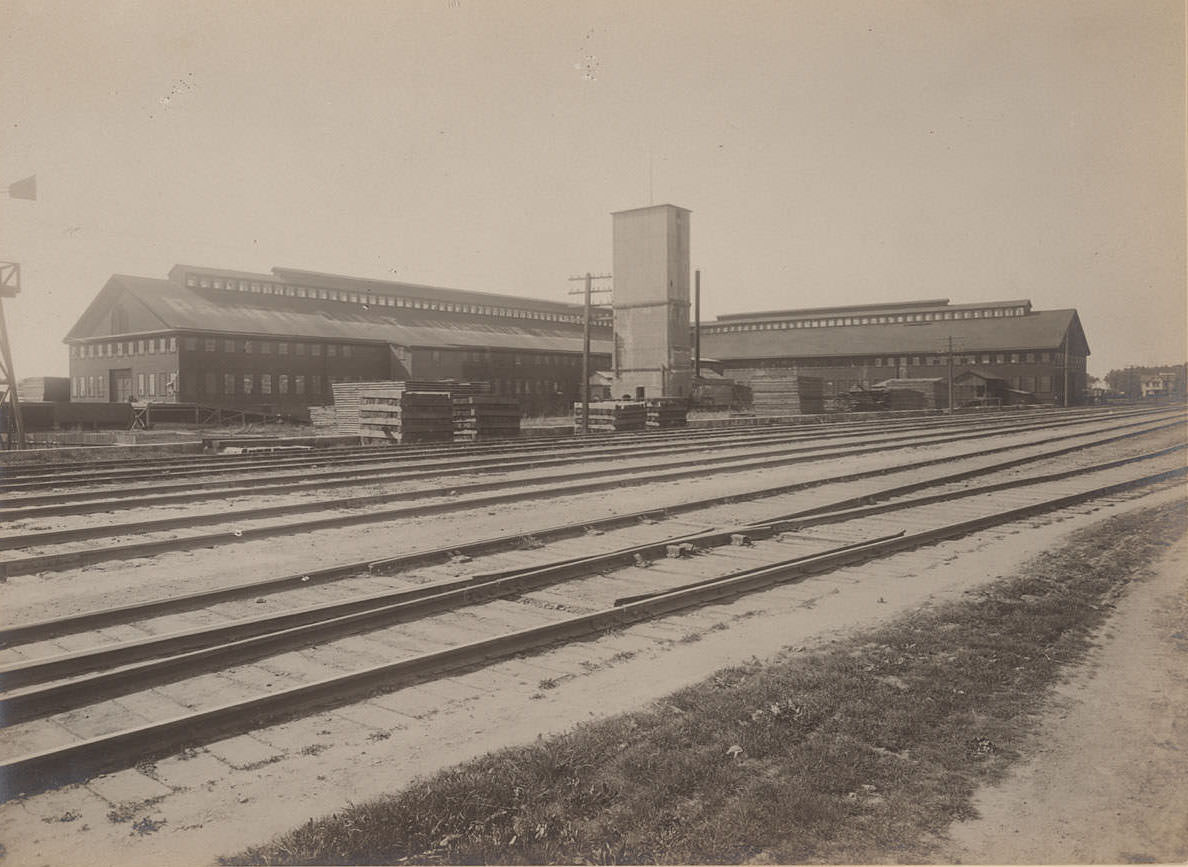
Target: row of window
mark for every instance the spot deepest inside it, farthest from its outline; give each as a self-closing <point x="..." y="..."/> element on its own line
<point x="373" y="299"/>
<point x="888" y="319"/>
<point x="146" y="385"/>
<point x="896" y="361"/>
<point x="120" y="348"/>
<point x="267" y="347"/>
<point x="256" y="384"/>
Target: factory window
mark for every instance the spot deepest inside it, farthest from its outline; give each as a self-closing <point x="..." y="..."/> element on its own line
<point x="1027" y="383"/>
<point x="997" y="312"/>
<point x="916" y="361"/>
<point x="315" y="349"/>
<point x="265" y="383"/>
<point x="1045" y="384"/>
<point x="228" y="346"/>
<point x="247" y="383"/>
<point x="140" y="384"/>
<point x="282" y="348"/>
<point x="247" y="347"/>
<point x="1045" y="357"/>
<point x="74" y="352"/>
<point x="140" y="347"/>
<point x="254" y="287"/>
<point x="299" y="385"/>
<point x="315" y="385"/>
<point x="322" y="294"/>
<point x="228" y="383"/>
<point x="1014" y="358"/>
<point x="1031" y="358"/>
<point x="300" y="294"/>
<point x="985" y="358"/>
<point x="172" y="344"/>
<point x="205" y="283"/>
<point x="299" y="349"/>
<point x="878" y="362"/>
<point x="346" y="350"/>
<point x="1019" y="311"/>
<point x="152" y="347"/>
<point x="435" y="356"/>
<point x="190" y="280"/>
<point x="120" y="348"/>
<point x="211" y="344"/>
<point x="331" y="350"/>
<point x="266" y="347"/>
<point x="151" y="382"/>
<point x="282" y="383"/>
<point x="218" y="284"/>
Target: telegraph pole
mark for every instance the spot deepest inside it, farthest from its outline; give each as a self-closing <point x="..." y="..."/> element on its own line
<point x="950" y="374"/>
<point x="13" y="425"/>
<point x="696" y="325"/>
<point x="585" y="390"/>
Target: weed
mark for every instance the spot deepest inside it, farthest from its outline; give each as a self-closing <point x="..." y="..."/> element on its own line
<point x="775" y="762"/>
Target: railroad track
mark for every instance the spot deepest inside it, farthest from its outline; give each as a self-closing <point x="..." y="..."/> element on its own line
<point x="160" y="471"/>
<point x="543" y="596"/>
<point x="248" y="522"/>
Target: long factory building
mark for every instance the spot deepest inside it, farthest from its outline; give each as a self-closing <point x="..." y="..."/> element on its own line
<point x="279" y="340"/>
<point x="1040" y="353"/>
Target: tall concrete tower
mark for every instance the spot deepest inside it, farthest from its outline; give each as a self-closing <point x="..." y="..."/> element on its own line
<point x="651" y="268"/>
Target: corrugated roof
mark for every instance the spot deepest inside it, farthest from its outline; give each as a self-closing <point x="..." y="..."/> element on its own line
<point x="1038" y="330"/>
<point x="215" y="311"/>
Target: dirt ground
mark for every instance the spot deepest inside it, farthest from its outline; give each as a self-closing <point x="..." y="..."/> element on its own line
<point x="1108" y="780"/>
<point x="1105" y="783"/>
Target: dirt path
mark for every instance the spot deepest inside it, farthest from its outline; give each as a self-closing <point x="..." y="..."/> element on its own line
<point x="1108" y="782"/>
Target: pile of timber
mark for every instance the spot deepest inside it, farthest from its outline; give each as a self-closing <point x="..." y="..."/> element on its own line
<point x="921" y="393"/>
<point x="485" y="416"/>
<point x="667" y="412"/>
<point x="613" y="415"/>
<point x="348" y="396"/>
<point x="785" y="392"/>
<point x="392" y="413"/>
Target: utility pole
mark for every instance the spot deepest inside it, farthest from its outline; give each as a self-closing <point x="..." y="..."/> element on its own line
<point x="585" y="389"/>
<point x="12" y="424"/>
<point x="950" y="374"/>
<point x="696" y="325"/>
<point x="1066" y="370"/>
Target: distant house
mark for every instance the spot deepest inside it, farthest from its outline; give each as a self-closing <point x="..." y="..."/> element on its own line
<point x="1157" y="385"/>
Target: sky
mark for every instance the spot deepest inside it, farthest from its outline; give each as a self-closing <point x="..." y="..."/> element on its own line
<point x="831" y="151"/>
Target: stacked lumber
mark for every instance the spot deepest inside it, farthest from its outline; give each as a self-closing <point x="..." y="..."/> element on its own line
<point x="485" y="416"/>
<point x="614" y="415"/>
<point x="922" y="393"/>
<point x="348" y="395"/>
<point x="785" y="392"/>
<point x="667" y="412"/>
<point x="391" y="413"/>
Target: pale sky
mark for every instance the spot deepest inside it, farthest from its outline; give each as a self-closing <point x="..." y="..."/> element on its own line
<point x="832" y="151"/>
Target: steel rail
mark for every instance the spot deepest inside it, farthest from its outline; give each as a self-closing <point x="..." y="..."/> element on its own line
<point x="46" y="629"/>
<point x="459" y="458"/>
<point x="86" y="502"/>
<point x="630" y="475"/>
<point x="38" y="771"/>
<point x="199" y="649"/>
<point x="230" y="464"/>
<point x="42" y="562"/>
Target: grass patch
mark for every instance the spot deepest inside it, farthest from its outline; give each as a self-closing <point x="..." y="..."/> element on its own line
<point x="863" y="751"/>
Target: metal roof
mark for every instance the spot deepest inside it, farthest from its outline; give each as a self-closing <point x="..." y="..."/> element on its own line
<point x="1037" y="330"/>
<point x="219" y="312"/>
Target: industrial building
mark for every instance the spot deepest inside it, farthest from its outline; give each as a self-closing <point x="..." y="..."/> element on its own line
<point x="1040" y="353"/>
<point x="279" y="340"/>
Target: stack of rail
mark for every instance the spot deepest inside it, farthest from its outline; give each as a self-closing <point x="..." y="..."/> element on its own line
<point x="392" y="413"/>
<point x="667" y="412"/>
<point x="785" y="392"/>
<point x="614" y="415"/>
<point x="485" y="416"/>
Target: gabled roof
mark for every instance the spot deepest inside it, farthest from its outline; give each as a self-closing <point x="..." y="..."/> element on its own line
<point x="1037" y="330"/>
<point x="178" y="308"/>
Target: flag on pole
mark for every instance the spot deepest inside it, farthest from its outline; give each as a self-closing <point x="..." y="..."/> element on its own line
<point x="24" y="189"/>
